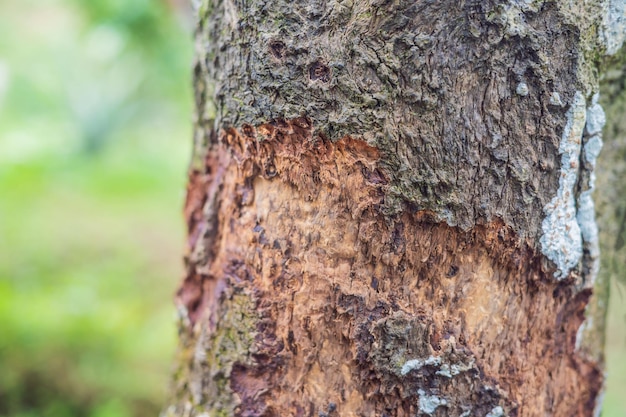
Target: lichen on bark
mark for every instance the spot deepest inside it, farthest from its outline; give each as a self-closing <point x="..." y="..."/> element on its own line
<point x="430" y="84"/>
<point x="374" y="179"/>
<point x="211" y="357"/>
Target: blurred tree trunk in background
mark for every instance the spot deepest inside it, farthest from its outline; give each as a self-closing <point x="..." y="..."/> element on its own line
<point x="389" y="209"/>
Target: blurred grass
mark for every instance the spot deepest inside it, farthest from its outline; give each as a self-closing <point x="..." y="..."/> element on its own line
<point x="95" y="134"/>
<point x="615" y="397"/>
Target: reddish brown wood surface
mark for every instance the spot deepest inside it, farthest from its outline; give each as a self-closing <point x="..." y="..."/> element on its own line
<point x="305" y="299"/>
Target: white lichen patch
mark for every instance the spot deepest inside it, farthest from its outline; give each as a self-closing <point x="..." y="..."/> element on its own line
<point x="495" y="412"/>
<point x="448" y="370"/>
<point x="586" y="210"/>
<point x="555" y="99"/>
<point x="451" y="370"/>
<point x="522" y="89"/>
<point x="586" y="214"/>
<point x="429" y="403"/>
<point x="613" y="30"/>
<point x="586" y="218"/>
<point x="416" y="364"/>
<point x="561" y="239"/>
<point x="595" y="117"/>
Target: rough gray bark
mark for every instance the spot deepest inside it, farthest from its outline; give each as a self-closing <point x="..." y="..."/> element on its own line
<point x="414" y="177"/>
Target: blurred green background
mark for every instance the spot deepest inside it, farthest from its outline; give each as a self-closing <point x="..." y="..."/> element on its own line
<point x="95" y="135"/>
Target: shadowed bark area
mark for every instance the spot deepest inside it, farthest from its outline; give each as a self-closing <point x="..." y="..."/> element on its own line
<point x="367" y="211"/>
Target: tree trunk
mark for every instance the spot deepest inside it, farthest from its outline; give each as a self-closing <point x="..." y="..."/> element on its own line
<point x="390" y="212"/>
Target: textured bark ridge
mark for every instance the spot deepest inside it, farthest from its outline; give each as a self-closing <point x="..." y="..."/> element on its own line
<point x="386" y="212"/>
<point x="314" y="302"/>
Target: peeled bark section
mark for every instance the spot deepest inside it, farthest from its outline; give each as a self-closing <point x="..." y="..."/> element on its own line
<point x="351" y="312"/>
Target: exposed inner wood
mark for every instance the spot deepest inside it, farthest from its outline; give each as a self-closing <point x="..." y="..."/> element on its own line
<point x="359" y="313"/>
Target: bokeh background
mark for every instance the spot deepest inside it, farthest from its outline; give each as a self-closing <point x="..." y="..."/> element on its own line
<point x="95" y="136"/>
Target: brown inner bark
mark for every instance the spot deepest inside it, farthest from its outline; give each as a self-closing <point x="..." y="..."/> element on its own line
<point x="367" y="314"/>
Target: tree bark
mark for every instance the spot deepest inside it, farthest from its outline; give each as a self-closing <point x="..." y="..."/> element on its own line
<point x="389" y="209"/>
